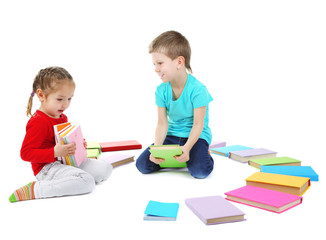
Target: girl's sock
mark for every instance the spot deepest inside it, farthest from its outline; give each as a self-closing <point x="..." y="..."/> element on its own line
<point x="24" y="193"/>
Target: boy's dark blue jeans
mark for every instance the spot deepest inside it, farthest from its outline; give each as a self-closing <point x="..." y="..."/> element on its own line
<point x="200" y="163"/>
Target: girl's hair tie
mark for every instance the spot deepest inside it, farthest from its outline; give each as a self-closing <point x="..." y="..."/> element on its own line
<point x="32" y="94"/>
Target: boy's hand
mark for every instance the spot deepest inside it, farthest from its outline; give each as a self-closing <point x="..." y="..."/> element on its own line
<point x="61" y="150"/>
<point x="156" y="160"/>
<point x="184" y="157"/>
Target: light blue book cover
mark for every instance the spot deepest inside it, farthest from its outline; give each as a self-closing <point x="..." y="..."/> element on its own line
<point x="224" y="151"/>
<point x="299" y="171"/>
<point x="161" y="211"/>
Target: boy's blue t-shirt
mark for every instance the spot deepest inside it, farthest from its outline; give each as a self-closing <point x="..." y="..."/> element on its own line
<point x="180" y="112"/>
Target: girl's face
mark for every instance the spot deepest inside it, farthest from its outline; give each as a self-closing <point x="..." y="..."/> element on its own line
<point x="55" y="103"/>
<point x="165" y="67"/>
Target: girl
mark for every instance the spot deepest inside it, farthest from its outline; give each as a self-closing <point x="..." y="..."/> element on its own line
<point x="182" y="103"/>
<point x="54" y="88"/>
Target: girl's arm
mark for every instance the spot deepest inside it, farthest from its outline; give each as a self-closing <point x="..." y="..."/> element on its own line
<point x="197" y="128"/>
<point x="161" y="131"/>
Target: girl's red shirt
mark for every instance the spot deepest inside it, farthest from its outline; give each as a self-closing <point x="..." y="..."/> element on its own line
<point x="39" y="141"/>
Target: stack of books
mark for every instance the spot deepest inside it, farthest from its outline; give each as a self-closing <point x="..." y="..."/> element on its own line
<point x="68" y="133"/>
<point x="95" y="149"/>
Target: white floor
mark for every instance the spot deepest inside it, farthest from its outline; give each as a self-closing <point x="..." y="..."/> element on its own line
<point x="117" y="207"/>
<point x="262" y="61"/>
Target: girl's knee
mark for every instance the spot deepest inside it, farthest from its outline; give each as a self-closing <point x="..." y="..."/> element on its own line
<point x="88" y="183"/>
<point x="104" y="172"/>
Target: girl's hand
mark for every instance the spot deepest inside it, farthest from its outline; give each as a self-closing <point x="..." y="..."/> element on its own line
<point x="184" y="157"/>
<point x="156" y="160"/>
<point x="61" y="150"/>
<point x="85" y="144"/>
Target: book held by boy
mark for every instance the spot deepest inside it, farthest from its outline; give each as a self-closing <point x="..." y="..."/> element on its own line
<point x="299" y="171"/>
<point x="214" y="210"/>
<point x="163" y="211"/>
<point x="275" y="161"/>
<point x="263" y="198"/>
<point x="118" y="159"/>
<point x="225" y="151"/>
<point x="69" y="134"/>
<point x="249" y="154"/>
<point x="168" y="152"/>
<point x="120" y="145"/>
<point x="277" y="182"/>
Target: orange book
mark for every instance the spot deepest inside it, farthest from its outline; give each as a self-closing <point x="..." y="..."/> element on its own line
<point x="282" y="183"/>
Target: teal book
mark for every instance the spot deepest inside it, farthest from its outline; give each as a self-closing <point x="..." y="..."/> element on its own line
<point x="225" y="151"/>
<point x="168" y="152"/>
<point x="298" y="171"/>
<point x="161" y="211"/>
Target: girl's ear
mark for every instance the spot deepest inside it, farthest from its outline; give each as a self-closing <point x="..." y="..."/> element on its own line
<point x="40" y="94"/>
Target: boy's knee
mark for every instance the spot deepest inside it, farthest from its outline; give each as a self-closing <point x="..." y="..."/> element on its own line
<point x="201" y="172"/>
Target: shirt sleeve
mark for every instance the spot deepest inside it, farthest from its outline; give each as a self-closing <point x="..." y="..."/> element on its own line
<point x="33" y="149"/>
<point x="201" y="97"/>
<point x="160" y="98"/>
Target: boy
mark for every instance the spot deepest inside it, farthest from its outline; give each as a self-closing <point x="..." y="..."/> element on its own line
<point x="182" y="103"/>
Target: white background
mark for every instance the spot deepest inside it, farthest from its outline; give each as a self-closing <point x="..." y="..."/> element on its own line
<point x="262" y="61"/>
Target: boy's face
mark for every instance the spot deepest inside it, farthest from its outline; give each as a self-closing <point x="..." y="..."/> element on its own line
<point x="165" y="67"/>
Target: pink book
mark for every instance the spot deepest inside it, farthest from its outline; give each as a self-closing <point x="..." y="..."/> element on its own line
<point x="264" y="198"/>
<point x="76" y="136"/>
<point x="214" y="210"/>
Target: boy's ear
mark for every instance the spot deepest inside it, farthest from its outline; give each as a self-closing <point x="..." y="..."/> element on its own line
<point x="40" y="94"/>
<point x="180" y="61"/>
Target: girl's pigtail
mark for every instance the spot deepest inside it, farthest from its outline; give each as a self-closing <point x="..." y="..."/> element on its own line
<point x="30" y="105"/>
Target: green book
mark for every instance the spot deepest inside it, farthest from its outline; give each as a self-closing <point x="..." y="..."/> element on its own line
<point x="167" y="152"/>
<point x="93" y="153"/>
<point x="276" y="161"/>
<point x="93" y="144"/>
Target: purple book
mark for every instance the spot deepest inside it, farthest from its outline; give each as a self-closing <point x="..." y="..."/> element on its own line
<point x="118" y="159"/>
<point x="217" y="144"/>
<point x="249" y="154"/>
<point x="214" y="210"/>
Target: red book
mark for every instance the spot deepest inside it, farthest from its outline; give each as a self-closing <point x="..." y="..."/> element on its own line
<point x="121" y="145"/>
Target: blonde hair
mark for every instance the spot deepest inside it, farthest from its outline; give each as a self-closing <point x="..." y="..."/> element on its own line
<point x="48" y="80"/>
<point x="173" y="45"/>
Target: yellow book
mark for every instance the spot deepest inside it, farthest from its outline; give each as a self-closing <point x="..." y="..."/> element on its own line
<point x="282" y="183"/>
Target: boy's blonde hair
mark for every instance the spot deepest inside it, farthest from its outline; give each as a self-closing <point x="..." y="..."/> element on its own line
<point x="48" y="80"/>
<point x="172" y="44"/>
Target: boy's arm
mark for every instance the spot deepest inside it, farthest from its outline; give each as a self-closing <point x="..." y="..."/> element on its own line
<point x="162" y="126"/>
<point x="161" y="131"/>
<point x="197" y="128"/>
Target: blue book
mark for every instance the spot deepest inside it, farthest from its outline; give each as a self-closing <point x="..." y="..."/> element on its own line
<point x="161" y="211"/>
<point x="299" y="171"/>
<point x="225" y="151"/>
